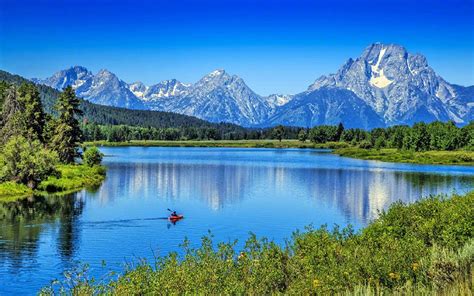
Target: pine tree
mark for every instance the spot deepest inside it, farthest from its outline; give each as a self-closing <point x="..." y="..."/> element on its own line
<point x="68" y="133"/>
<point x="11" y="121"/>
<point x="34" y="116"/>
<point x="339" y="131"/>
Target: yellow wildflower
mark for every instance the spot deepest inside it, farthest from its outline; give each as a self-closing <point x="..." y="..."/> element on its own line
<point x="316" y="283"/>
<point x="394" y="275"/>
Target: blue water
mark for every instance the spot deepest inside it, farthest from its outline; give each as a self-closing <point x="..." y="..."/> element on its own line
<point x="228" y="191"/>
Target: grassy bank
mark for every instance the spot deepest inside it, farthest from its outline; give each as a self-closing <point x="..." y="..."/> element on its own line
<point x="69" y="179"/>
<point x="10" y="191"/>
<point x="340" y="148"/>
<point x="422" y="248"/>
<point x="224" y="143"/>
<point x="394" y="155"/>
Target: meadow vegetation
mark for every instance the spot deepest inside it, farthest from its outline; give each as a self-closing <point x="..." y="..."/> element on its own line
<point x="433" y="143"/>
<point x="423" y="157"/>
<point x="422" y="248"/>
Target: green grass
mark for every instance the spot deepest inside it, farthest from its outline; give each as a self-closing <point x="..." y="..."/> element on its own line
<point x="424" y="248"/>
<point x="394" y="155"/>
<point x="71" y="178"/>
<point x="224" y="143"/>
<point x="340" y="148"/>
<point x="10" y="191"/>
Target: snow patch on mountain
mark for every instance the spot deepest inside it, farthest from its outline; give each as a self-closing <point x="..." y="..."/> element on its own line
<point x="386" y="85"/>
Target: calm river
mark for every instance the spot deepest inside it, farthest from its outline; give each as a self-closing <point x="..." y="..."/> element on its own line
<point x="228" y="191"/>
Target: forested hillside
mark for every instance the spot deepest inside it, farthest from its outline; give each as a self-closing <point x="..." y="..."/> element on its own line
<point x="106" y="115"/>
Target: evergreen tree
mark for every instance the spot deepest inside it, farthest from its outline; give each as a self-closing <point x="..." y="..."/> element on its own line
<point x="34" y="116"/>
<point x="11" y="121"/>
<point x="68" y="133"/>
<point x="339" y="131"/>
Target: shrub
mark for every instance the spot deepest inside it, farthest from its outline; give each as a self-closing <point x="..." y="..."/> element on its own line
<point x="365" y="144"/>
<point x="92" y="156"/>
<point x="26" y="162"/>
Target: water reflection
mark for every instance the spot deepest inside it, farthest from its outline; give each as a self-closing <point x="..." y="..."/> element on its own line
<point x="22" y="222"/>
<point x="223" y="190"/>
<point x="359" y="193"/>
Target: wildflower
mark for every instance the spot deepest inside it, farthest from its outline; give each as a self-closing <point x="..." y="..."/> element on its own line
<point x="415" y="266"/>
<point x="394" y="275"/>
<point x="316" y="283"/>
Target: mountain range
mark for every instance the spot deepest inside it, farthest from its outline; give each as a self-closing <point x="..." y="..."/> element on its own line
<point x="385" y="86"/>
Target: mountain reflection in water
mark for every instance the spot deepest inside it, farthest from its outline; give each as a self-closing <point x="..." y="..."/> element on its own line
<point x="228" y="191"/>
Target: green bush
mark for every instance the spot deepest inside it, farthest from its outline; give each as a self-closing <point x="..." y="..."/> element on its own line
<point x="72" y="177"/>
<point x="365" y="144"/>
<point x="26" y="162"/>
<point x="92" y="156"/>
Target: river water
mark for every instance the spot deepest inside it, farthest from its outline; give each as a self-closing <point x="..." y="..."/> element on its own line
<point x="227" y="191"/>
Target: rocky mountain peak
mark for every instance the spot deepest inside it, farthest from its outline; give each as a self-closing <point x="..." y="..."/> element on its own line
<point x="385" y="85"/>
<point x="398" y="85"/>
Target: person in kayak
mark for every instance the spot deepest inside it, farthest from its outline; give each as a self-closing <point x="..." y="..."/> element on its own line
<point x="173" y="214"/>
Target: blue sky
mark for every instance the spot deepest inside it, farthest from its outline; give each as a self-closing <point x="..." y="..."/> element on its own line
<point x="275" y="46"/>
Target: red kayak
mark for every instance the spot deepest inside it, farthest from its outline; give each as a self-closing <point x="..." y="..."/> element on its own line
<point x="175" y="218"/>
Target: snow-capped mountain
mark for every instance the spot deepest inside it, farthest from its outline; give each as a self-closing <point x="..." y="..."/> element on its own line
<point x="399" y="86"/>
<point x="277" y="100"/>
<point x="104" y="88"/>
<point x="220" y="97"/>
<point x="138" y="89"/>
<point x="76" y="76"/>
<point x="386" y="85"/>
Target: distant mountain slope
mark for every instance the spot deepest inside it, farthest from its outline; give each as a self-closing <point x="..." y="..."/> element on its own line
<point x="113" y="115"/>
<point x="398" y="86"/>
<point x="104" y="88"/>
<point x="218" y="97"/>
<point x="327" y="106"/>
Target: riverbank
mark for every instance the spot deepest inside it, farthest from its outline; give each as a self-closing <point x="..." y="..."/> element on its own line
<point x="422" y="248"/>
<point x="223" y="143"/>
<point x="340" y="148"/>
<point x="71" y="178"/>
<point x="394" y="155"/>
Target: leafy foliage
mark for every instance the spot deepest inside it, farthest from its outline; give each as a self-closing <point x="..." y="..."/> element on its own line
<point x="26" y="162"/>
<point x="421" y="137"/>
<point x="279" y="132"/>
<point x="73" y="177"/>
<point x="92" y="156"/>
<point x="426" y="247"/>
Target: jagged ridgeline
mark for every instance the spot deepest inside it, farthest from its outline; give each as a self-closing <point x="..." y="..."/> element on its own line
<point x="107" y="115"/>
<point x="385" y="86"/>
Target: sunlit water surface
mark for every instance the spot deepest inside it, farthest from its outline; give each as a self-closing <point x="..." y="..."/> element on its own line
<point x="230" y="192"/>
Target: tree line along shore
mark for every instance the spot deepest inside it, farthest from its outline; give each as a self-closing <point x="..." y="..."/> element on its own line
<point x="433" y="143"/>
<point x="36" y="146"/>
<point x="39" y="153"/>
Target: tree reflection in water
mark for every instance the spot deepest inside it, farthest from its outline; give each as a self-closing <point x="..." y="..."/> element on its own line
<point x="23" y="221"/>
